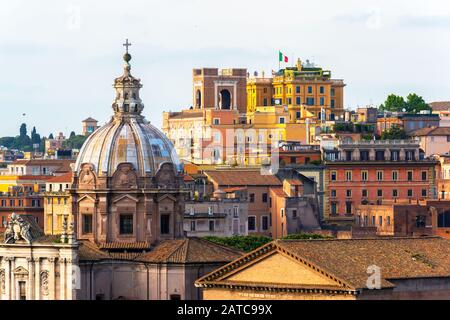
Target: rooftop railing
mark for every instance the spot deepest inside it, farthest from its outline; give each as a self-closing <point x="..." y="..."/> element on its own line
<point x="380" y="142"/>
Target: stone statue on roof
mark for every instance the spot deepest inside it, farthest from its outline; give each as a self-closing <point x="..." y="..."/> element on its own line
<point x="17" y="229"/>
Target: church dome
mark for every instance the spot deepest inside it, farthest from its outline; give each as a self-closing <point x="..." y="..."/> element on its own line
<point x="127" y="137"/>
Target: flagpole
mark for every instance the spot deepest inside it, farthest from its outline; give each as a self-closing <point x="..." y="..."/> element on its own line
<point x="279" y="59"/>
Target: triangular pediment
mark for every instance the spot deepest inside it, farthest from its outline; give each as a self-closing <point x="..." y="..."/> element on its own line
<point x="125" y="196"/>
<point x="86" y="197"/>
<point x="20" y="270"/>
<point x="166" y="196"/>
<point x="279" y="268"/>
<point x="272" y="266"/>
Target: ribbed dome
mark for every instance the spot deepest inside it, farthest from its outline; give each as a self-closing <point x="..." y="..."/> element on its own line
<point x="128" y="137"/>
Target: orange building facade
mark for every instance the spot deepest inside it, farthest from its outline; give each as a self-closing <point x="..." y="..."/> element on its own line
<point x="368" y="172"/>
<point x="23" y="202"/>
<point x="292" y="153"/>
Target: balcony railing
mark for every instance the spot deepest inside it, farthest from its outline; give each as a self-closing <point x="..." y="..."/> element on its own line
<point x="380" y="142"/>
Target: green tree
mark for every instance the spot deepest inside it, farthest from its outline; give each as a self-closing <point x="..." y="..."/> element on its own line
<point x="22" y="141"/>
<point x="393" y="103"/>
<point x="74" y="142"/>
<point x="50" y="136"/>
<point x="72" y="134"/>
<point x="415" y="103"/>
<point x="394" y="133"/>
<point x="35" y="137"/>
<point x="305" y="236"/>
<point x="23" y="130"/>
<point x="244" y="243"/>
<point x="7" y="142"/>
<point x="249" y="243"/>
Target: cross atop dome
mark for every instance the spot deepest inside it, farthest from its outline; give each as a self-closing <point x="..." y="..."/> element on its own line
<point x="127" y="56"/>
<point x="127" y="44"/>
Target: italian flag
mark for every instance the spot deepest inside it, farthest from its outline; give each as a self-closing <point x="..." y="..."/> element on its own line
<point x="282" y="57"/>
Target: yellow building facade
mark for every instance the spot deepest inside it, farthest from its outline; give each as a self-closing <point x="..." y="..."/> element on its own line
<point x="250" y="115"/>
<point x="303" y="85"/>
<point x="57" y="204"/>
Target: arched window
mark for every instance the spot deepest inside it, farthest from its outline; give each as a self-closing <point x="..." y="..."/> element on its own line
<point x="198" y="99"/>
<point x="225" y="99"/>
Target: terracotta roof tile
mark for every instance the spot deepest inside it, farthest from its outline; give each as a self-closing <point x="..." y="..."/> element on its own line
<point x="90" y="251"/>
<point x="278" y="191"/>
<point x="397" y="257"/>
<point x="294" y="182"/>
<point x="440" y="105"/>
<point x="124" y="255"/>
<point x="347" y="260"/>
<point x="190" y="250"/>
<point x="67" y="177"/>
<point x="89" y="119"/>
<point x="431" y="131"/>
<point x="124" y="245"/>
<point x="242" y="178"/>
<point x="233" y="189"/>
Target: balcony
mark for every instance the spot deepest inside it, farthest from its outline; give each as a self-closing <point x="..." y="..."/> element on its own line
<point x="204" y="215"/>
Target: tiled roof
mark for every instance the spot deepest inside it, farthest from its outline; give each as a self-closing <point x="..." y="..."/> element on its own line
<point x="34" y="177"/>
<point x="431" y="131"/>
<point x="278" y="191"/>
<point x="294" y="182"/>
<point x="67" y="177"/>
<point x="124" y="255"/>
<point x="242" y="178"/>
<point x="190" y="250"/>
<point x="187" y="178"/>
<point x="43" y="162"/>
<point x="124" y="245"/>
<point x="398" y="258"/>
<point x="184" y="115"/>
<point x="89" y="120"/>
<point x="90" y="251"/>
<point x="440" y="105"/>
<point x="233" y="189"/>
<point x="347" y="260"/>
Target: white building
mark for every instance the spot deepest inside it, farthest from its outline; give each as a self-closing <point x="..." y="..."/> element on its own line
<point x="34" y="266"/>
<point x="223" y="215"/>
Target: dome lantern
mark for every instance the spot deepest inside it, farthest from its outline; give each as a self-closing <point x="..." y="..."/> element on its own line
<point x="127" y="102"/>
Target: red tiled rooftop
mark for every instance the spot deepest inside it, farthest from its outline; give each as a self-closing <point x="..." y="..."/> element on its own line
<point x="242" y="178"/>
<point x="440" y="105"/>
<point x="67" y="178"/>
<point x="431" y="131"/>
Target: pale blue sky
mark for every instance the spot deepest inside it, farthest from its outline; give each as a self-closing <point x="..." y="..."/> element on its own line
<point x="58" y="58"/>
